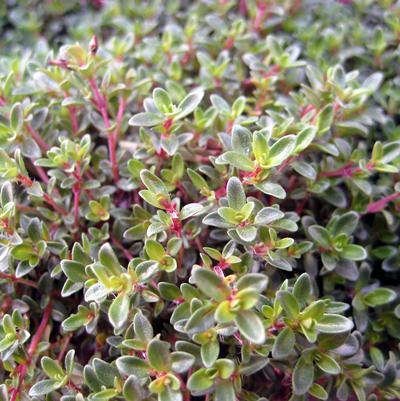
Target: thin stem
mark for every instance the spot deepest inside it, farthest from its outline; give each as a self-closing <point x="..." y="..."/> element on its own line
<point x="76" y="189"/>
<point x="15" y="279"/>
<point x="64" y="347"/>
<point x="260" y="15"/>
<point x="73" y="386"/>
<point x="118" y="244"/>
<point x="23" y="369"/>
<point x="243" y="7"/>
<point x="120" y="115"/>
<point x="217" y="270"/>
<point x="38" y="139"/>
<point x="282" y="167"/>
<point x="238" y="338"/>
<point x="198" y="243"/>
<point x="39" y="333"/>
<point x="54" y="205"/>
<point x="375" y="207"/>
<point x="136" y="197"/>
<point x="113" y="156"/>
<point x="100" y="102"/>
<point x="180" y="258"/>
<point x="113" y="137"/>
<point x="346" y="171"/>
<point x="27" y="182"/>
<point x="42" y="144"/>
<point x="27" y="209"/>
<point x="76" y="207"/>
<point x="300" y="207"/>
<point x="74" y="120"/>
<point x="41" y="173"/>
<point x="186" y="393"/>
<point x="183" y="192"/>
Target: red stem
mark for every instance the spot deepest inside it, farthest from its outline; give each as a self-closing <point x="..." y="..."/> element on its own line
<point x="76" y="189"/>
<point x="38" y="139"/>
<point x="377" y="206"/>
<point x="261" y="10"/>
<point x="346" y="171"/>
<point x="54" y="205"/>
<point x="219" y="271"/>
<point x="282" y="167"/>
<point x="300" y="207"/>
<point x="27" y="182"/>
<point x="183" y="192"/>
<point x="73" y="386"/>
<point x="27" y="209"/>
<point x="74" y="120"/>
<point x="113" y="137"/>
<point x="186" y="394"/>
<point x="41" y="173"/>
<point x="23" y="369"/>
<point x="14" y="279"/>
<point x="243" y="7"/>
<point x="112" y="145"/>
<point x="118" y="244"/>
<point x="64" y="347"/>
<point x="76" y="206"/>
<point x="100" y="102"/>
<point x="238" y="338"/>
<point x="120" y="115"/>
<point x="42" y="144"/>
<point x="199" y="246"/>
<point x="180" y="258"/>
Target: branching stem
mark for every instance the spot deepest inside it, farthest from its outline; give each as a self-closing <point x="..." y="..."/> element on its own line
<point x="23" y="368"/>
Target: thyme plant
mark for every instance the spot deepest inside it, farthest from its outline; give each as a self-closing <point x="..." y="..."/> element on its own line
<point x="199" y="200"/>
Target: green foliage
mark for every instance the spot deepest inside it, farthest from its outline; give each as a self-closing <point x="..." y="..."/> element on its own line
<point x="199" y="200"/>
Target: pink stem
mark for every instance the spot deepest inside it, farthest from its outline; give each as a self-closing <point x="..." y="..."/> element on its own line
<point x="180" y="258"/>
<point x="377" y="206"/>
<point x="346" y="171"/>
<point x="261" y="10"/>
<point x="74" y="120"/>
<point x="118" y="244"/>
<point x="38" y="139"/>
<point x="41" y="173"/>
<point x="243" y="7"/>
<point x="76" y="207"/>
<point x="27" y="182"/>
<point x="54" y="205"/>
<point x="218" y="271"/>
<point x="101" y="104"/>
<point x="35" y="135"/>
<point x="76" y="189"/>
<point x="238" y="338"/>
<point x="31" y="351"/>
<point x="14" y="279"/>
<point x="282" y="167"/>
<point x="64" y="347"/>
<point x="100" y="101"/>
<point x="113" y="137"/>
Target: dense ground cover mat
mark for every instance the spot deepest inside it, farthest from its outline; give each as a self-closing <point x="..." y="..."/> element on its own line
<point x="199" y="200"/>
